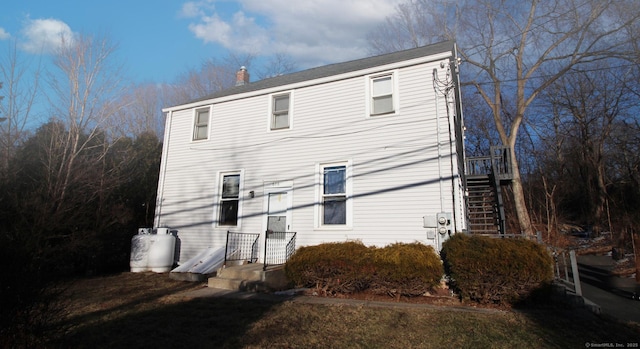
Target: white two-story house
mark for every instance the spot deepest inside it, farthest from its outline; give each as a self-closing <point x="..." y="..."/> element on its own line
<point x="368" y="150"/>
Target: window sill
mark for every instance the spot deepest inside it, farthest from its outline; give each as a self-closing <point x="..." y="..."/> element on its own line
<point x="333" y="227"/>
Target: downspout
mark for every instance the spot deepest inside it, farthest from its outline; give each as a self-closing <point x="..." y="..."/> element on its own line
<point x="445" y="88"/>
<point x="439" y="151"/>
<point x="454" y="190"/>
<point x="163" y="169"/>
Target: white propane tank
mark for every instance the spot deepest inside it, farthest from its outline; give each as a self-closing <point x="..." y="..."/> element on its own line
<point x="162" y="231"/>
<point x="140" y="245"/>
<point x="161" y="251"/>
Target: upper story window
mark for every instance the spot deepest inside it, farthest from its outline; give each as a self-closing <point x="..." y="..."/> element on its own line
<point x="383" y="96"/>
<point x="201" y="125"/>
<point x="281" y="111"/>
<point x="229" y="200"/>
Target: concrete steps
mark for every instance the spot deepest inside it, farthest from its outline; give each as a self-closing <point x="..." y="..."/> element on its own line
<point x="250" y="277"/>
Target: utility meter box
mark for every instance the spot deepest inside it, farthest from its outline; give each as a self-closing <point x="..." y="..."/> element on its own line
<point x="443" y="220"/>
<point x="429" y="221"/>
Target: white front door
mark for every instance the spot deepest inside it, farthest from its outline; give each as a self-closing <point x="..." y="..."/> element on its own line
<point x="278" y="212"/>
<point x="278" y="201"/>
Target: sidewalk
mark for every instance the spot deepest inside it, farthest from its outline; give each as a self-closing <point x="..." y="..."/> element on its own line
<point x="616" y="296"/>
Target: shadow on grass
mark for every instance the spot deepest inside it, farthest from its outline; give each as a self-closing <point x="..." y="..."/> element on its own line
<point x="218" y="322"/>
<point x="121" y="300"/>
<point x="566" y="319"/>
<point x="151" y="311"/>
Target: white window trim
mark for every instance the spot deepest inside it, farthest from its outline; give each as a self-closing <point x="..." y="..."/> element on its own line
<point x="218" y="198"/>
<point x="270" y="111"/>
<point x="319" y="189"/>
<point x="368" y="81"/>
<point x="195" y="118"/>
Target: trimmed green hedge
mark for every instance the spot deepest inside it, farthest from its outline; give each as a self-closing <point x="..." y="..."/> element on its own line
<point x="499" y="271"/>
<point x="398" y="269"/>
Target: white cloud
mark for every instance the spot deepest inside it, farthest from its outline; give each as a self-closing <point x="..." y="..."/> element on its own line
<point x="3" y="34"/>
<point x="192" y="9"/>
<point x="312" y="32"/>
<point x="45" y="35"/>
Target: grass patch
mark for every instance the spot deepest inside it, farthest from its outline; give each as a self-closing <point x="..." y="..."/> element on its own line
<point x="147" y="310"/>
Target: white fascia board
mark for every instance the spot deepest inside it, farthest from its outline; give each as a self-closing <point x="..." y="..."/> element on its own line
<point x="396" y="65"/>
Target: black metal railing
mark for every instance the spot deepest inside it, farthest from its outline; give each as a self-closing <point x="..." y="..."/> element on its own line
<point x="478" y="166"/>
<point x="241" y="247"/>
<point x="278" y="247"/>
<point x="501" y="160"/>
<point x="497" y="163"/>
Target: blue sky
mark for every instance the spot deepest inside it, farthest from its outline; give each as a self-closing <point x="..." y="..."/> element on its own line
<point x="159" y="39"/>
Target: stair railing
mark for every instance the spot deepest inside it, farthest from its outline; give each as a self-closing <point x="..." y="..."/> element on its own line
<point x="241" y="246"/>
<point x="501" y="162"/>
<point x="278" y="247"/>
<point x="478" y="166"/>
<point x="501" y="170"/>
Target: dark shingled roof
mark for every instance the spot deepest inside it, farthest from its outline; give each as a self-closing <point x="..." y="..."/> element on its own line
<point x="334" y="69"/>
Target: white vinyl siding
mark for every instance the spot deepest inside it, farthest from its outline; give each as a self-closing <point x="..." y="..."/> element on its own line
<point x="394" y="162"/>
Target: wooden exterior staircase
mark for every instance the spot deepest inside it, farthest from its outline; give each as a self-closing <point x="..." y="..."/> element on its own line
<point x="485" y="176"/>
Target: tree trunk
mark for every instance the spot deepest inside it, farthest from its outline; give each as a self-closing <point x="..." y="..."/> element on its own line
<point x="520" y="203"/>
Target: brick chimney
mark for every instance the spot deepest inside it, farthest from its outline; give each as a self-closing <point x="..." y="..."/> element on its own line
<point x="242" y="76"/>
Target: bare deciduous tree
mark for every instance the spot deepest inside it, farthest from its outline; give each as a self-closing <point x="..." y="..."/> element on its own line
<point x="88" y="89"/>
<point x="591" y="104"/>
<point x="514" y="50"/>
<point x="278" y="64"/>
<point x="21" y="89"/>
<point x="141" y="112"/>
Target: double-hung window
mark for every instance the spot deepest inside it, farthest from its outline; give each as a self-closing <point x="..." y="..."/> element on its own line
<point x="382" y="95"/>
<point x="201" y="125"/>
<point x="334" y="197"/>
<point x="229" y="199"/>
<point x="280" y="111"/>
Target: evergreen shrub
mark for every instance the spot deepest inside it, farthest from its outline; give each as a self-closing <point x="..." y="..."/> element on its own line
<point x="406" y="269"/>
<point x="499" y="271"/>
<point x="343" y="267"/>
<point x="346" y="267"/>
